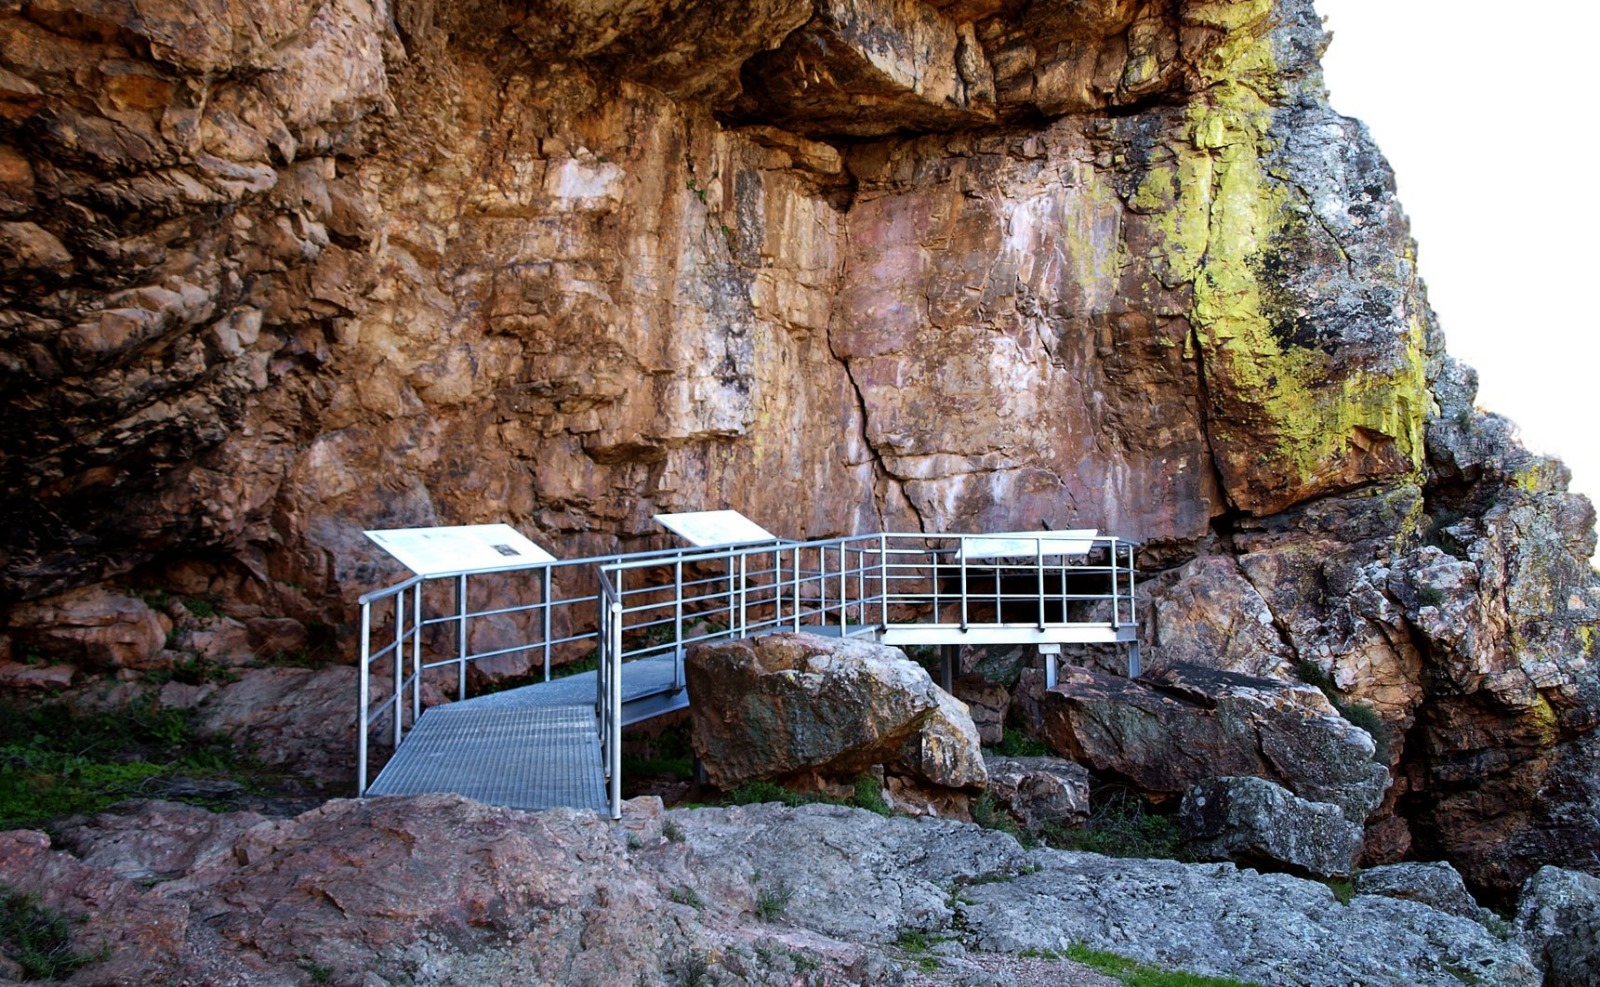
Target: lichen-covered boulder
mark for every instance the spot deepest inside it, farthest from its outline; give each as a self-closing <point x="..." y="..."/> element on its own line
<point x="1040" y="792"/>
<point x="1558" y="921"/>
<point x="1434" y="883"/>
<point x="1183" y="725"/>
<point x="777" y="705"/>
<point x="945" y="750"/>
<point x="1253" y="821"/>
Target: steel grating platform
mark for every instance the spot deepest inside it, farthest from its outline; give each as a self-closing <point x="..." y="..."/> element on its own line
<point x="534" y="757"/>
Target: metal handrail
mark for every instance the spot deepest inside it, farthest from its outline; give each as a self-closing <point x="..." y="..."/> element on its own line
<point x="913" y="586"/>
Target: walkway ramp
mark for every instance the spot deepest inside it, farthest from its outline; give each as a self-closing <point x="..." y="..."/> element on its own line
<point x="558" y="742"/>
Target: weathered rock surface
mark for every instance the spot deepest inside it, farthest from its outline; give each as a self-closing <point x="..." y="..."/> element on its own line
<point x="1253" y="821"/>
<point x="1435" y="884"/>
<point x="439" y="890"/>
<point x="782" y="704"/>
<point x="1040" y="792"/>
<point x="1183" y="726"/>
<point x="93" y="628"/>
<point x="1558" y="921"/>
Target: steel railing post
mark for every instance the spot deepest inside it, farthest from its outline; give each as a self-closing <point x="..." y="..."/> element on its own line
<point x="416" y="658"/>
<point x="547" y="584"/>
<point x="883" y="580"/>
<point x="1038" y="549"/>
<point x="961" y="552"/>
<point x="677" y="624"/>
<point x="614" y="741"/>
<point x="744" y="594"/>
<point x="396" y="704"/>
<point x="363" y="697"/>
<point x="1116" y="604"/>
<point x="461" y="637"/>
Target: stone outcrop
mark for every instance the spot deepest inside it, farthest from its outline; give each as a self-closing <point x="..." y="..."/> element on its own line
<point x="1435" y="884"/>
<point x="1040" y="793"/>
<point x="1184" y="726"/>
<point x="276" y="272"/>
<point x="783" y="705"/>
<point x="1253" y="821"/>
<point x="440" y="890"/>
<point x="1558" y="921"/>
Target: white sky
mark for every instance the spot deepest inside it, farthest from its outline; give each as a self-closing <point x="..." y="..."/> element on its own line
<point x="1482" y="115"/>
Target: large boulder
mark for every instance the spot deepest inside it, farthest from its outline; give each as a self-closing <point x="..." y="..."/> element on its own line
<point x="1183" y="725"/>
<point x="1253" y="821"/>
<point x="1040" y="792"/>
<point x="778" y="705"/>
<point x="1559" y="923"/>
<point x="93" y="627"/>
<point x="1434" y="883"/>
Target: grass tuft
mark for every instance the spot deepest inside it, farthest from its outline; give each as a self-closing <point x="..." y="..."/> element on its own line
<point x="1136" y="974"/>
<point x="39" y="939"/>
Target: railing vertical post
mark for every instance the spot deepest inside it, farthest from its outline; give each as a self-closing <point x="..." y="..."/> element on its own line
<point x="677" y="624"/>
<point x="614" y="741"/>
<point x="883" y="579"/>
<point x="1133" y="597"/>
<point x="602" y="664"/>
<point x="1038" y="549"/>
<point x="363" y="697"/>
<point x="961" y="552"/>
<point x="396" y="701"/>
<point x="1116" y="603"/>
<point x="544" y="597"/>
<point x="416" y="657"/>
<point x="461" y="637"/>
<point x="777" y="587"/>
<point x="796" y="567"/>
<point x="744" y="593"/>
<point x="844" y="593"/>
<point x="822" y="585"/>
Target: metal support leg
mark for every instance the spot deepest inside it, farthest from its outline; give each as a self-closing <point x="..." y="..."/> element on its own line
<point x="1052" y="656"/>
<point x="948" y="652"/>
<point x="1133" y="660"/>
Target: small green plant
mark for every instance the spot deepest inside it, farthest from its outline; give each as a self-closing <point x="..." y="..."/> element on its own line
<point x="686" y="895"/>
<point x="38" y="938"/>
<point x="672" y="831"/>
<point x="691" y="969"/>
<point x="869" y="796"/>
<point x="761" y="790"/>
<point x="1343" y="890"/>
<point x="988" y="814"/>
<point x="1123" y="826"/>
<point x="1430" y="596"/>
<point x="772" y="899"/>
<point x="1016" y="743"/>
<point x="634" y="843"/>
<point x="318" y="972"/>
<point x="1359" y="714"/>
<point x="694" y="187"/>
<point x="205" y="607"/>
<point x="912" y="940"/>
<point x="1136" y="974"/>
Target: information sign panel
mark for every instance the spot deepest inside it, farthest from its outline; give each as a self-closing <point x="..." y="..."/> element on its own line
<point x="1027" y="544"/>
<point x="709" y="529"/>
<point x="460" y="548"/>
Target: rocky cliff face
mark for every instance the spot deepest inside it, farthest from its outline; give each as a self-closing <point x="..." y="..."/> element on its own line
<point x="277" y="272"/>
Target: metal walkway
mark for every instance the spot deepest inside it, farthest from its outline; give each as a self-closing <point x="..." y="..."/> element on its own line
<point x="558" y="742"/>
<point x="533" y="747"/>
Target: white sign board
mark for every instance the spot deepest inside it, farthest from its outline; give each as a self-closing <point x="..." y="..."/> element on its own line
<point x="708" y="529"/>
<point x="1027" y="544"/>
<point x="464" y="548"/>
